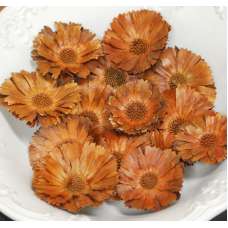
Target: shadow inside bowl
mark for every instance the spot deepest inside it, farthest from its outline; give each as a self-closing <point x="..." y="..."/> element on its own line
<point x="119" y="205"/>
<point x="199" y="170"/>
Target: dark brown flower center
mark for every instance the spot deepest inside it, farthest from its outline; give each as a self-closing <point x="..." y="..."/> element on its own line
<point x="175" y="125"/>
<point x="67" y="55"/>
<point x="136" y="111"/>
<point x="148" y="180"/>
<point x="118" y="157"/>
<point x="208" y="140"/>
<point x="138" y="47"/>
<point x="177" y="79"/>
<point x="114" y="77"/>
<point x="42" y="100"/>
<point x="91" y="116"/>
<point x="75" y="184"/>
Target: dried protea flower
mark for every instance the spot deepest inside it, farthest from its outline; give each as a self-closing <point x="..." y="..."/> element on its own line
<point x="135" y="40"/>
<point x="45" y="140"/>
<point x="150" y="178"/>
<point x="68" y="49"/>
<point x="184" y="106"/>
<point x="182" y="67"/>
<point x="134" y="107"/>
<point x="37" y="101"/>
<point x="75" y="176"/>
<point x="119" y="146"/>
<point x="206" y="142"/>
<point x="94" y="98"/>
<point x="104" y="72"/>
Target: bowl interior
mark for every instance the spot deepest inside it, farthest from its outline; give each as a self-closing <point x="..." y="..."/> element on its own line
<point x="201" y="29"/>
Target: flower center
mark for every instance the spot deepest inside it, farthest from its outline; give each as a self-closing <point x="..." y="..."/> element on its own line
<point x="136" y="111"/>
<point x="208" y="140"/>
<point x="67" y="55"/>
<point x="114" y="77"/>
<point x="177" y="79"/>
<point x="138" y="47"/>
<point x="91" y="116"/>
<point x="42" y="100"/>
<point x="175" y="125"/>
<point x="148" y="180"/>
<point x="75" y="184"/>
<point x="118" y="157"/>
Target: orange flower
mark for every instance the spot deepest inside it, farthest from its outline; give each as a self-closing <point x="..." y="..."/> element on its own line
<point x="93" y="105"/>
<point x="150" y="178"/>
<point x="75" y="176"/>
<point x="104" y="72"/>
<point x="135" y="107"/>
<point x="45" y="140"/>
<point x="67" y="49"/>
<point x="135" y="40"/>
<point x="206" y="142"/>
<point x="182" y="67"/>
<point x="31" y="98"/>
<point x="183" y="106"/>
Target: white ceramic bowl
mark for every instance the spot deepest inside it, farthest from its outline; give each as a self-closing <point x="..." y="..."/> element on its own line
<point x="201" y="29"/>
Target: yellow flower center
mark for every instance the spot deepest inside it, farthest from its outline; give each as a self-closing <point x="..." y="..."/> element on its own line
<point x="42" y="100"/>
<point x="114" y="77"/>
<point x="177" y="79"/>
<point x="118" y="157"/>
<point x="175" y="125"/>
<point x="67" y="56"/>
<point x="138" y="47"/>
<point x="91" y="116"/>
<point x="136" y="111"/>
<point x="148" y="180"/>
<point x="208" y="140"/>
<point x="75" y="184"/>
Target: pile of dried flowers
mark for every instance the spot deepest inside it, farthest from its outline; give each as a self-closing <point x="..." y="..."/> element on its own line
<point x="119" y="118"/>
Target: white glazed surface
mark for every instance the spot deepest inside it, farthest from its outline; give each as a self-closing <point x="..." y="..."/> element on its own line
<point x="201" y="29"/>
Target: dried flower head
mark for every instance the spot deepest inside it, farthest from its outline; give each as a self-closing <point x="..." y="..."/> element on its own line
<point x="75" y="176"/>
<point x="135" y="40"/>
<point x="104" y="72"/>
<point x="45" y="140"/>
<point x="206" y="142"/>
<point x="31" y="98"/>
<point x="182" y="67"/>
<point x="150" y="178"/>
<point x="68" y="49"/>
<point x="184" y="106"/>
<point x="134" y="107"/>
<point x="94" y="98"/>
